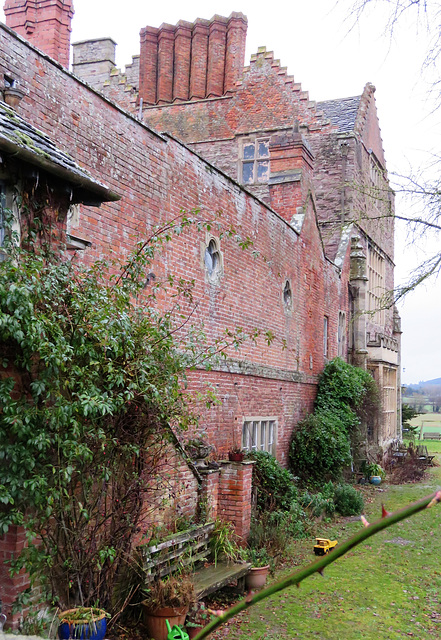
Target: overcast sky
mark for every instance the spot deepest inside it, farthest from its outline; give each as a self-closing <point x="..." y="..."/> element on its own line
<point x="313" y="39"/>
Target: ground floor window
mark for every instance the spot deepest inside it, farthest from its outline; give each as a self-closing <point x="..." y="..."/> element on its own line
<point x="259" y="434"/>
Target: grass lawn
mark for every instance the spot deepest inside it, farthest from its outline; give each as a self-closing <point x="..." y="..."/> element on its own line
<point x="427" y="422"/>
<point x="387" y="588"/>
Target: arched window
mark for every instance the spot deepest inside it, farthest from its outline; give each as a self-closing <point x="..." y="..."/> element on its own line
<point x="287" y="295"/>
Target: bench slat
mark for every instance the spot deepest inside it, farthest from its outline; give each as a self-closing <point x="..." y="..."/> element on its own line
<point x="210" y="579"/>
<point x="187" y="553"/>
<point x="180" y="538"/>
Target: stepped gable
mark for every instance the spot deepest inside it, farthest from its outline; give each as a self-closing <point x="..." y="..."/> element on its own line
<point x="263" y="55"/>
<point x="191" y="61"/>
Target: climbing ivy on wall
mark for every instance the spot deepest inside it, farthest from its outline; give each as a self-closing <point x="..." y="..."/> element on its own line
<point x="89" y="383"/>
<point x="321" y="444"/>
<point x="92" y="383"/>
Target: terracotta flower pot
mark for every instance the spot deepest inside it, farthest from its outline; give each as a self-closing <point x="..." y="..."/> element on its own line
<point x="257" y="576"/>
<point x="236" y="457"/>
<point x="193" y="631"/>
<point x="13" y="96"/>
<point x="155" y="620"/>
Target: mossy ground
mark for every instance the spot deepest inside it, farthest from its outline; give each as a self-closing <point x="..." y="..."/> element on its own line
<point x="387" y="588"/>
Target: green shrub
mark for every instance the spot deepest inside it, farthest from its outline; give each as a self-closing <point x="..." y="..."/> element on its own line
<point x="275" y="530"/>
<point x="320" y="448"/>
<point x="275" y="485"/>
<point x="321" y="445"/>
<point x="318" y="504"/>
<point x="348" y="501"/>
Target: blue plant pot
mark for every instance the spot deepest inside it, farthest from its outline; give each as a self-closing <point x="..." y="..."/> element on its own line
<point x="375" y="479"/>
<point x="78" y="630"/>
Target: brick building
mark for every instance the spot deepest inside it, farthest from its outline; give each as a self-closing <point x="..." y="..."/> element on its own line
<point x="188" y="127"/>
<point x="257" y="125"/>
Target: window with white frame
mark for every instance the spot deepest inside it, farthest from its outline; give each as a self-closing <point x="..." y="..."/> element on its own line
<point x="259" y="434"/>
<point x="377" y="282"/>
<point x="390" y="401"/>
<point x="254" y="161"/>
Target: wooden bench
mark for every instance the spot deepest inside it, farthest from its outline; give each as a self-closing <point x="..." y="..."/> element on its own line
<point x="431" y="435"/>
<point x="190" y="550"/>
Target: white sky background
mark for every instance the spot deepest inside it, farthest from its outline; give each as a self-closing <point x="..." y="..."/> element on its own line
<point x="313" y="41"/>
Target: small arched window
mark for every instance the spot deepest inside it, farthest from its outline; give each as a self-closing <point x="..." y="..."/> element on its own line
<point x="212" y="258"/>
<point x="287" y="295"/>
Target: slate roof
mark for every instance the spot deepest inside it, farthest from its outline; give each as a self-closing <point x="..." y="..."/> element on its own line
<point x="29" y="144"/>
<point x="341" y="112"/>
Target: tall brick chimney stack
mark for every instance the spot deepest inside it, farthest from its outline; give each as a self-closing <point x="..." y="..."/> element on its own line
<point x="45" y="23"/>
<point x="192" y="61"/>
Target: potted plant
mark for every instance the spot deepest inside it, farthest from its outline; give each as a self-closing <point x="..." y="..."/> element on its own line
<point x="169" y="599"/>
<point x="83" y="623"/>
<point x="260" y="560"/>
<point x="236" y="454"/>
<point x="197" y="618"/>
<point x="375" y="473"/>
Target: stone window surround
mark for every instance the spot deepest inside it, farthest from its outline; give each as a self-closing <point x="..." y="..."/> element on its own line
<point x="214" y="269"/>
<point x="376" y="268"/>
<point x="256" y="160"/>
<point x="259" y="433"/>
<point x="341" y="334"/>
<point x="287" y="296"/>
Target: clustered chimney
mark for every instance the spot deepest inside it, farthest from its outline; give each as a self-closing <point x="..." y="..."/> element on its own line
<point x="192" y="60"/>
<point x="45" y="23"/>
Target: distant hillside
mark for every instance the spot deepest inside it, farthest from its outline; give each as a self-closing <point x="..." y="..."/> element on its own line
<point x="435" y="381"/>
<point x="426" y="383"/>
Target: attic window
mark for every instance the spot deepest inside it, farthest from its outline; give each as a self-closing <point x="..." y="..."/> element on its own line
<point x="255" y="161"/>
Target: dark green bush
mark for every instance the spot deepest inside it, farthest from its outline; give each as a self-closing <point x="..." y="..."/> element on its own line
<point x="320" y="448"/>
<point x="321" y="445"/>
<point x="348" y="501"/>
<point x="275" y="485"/>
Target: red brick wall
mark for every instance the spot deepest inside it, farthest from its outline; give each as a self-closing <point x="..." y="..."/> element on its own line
<point x="159" y="177"/>
<point x="235" y="487"/>
<point x="11" y="545"/>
